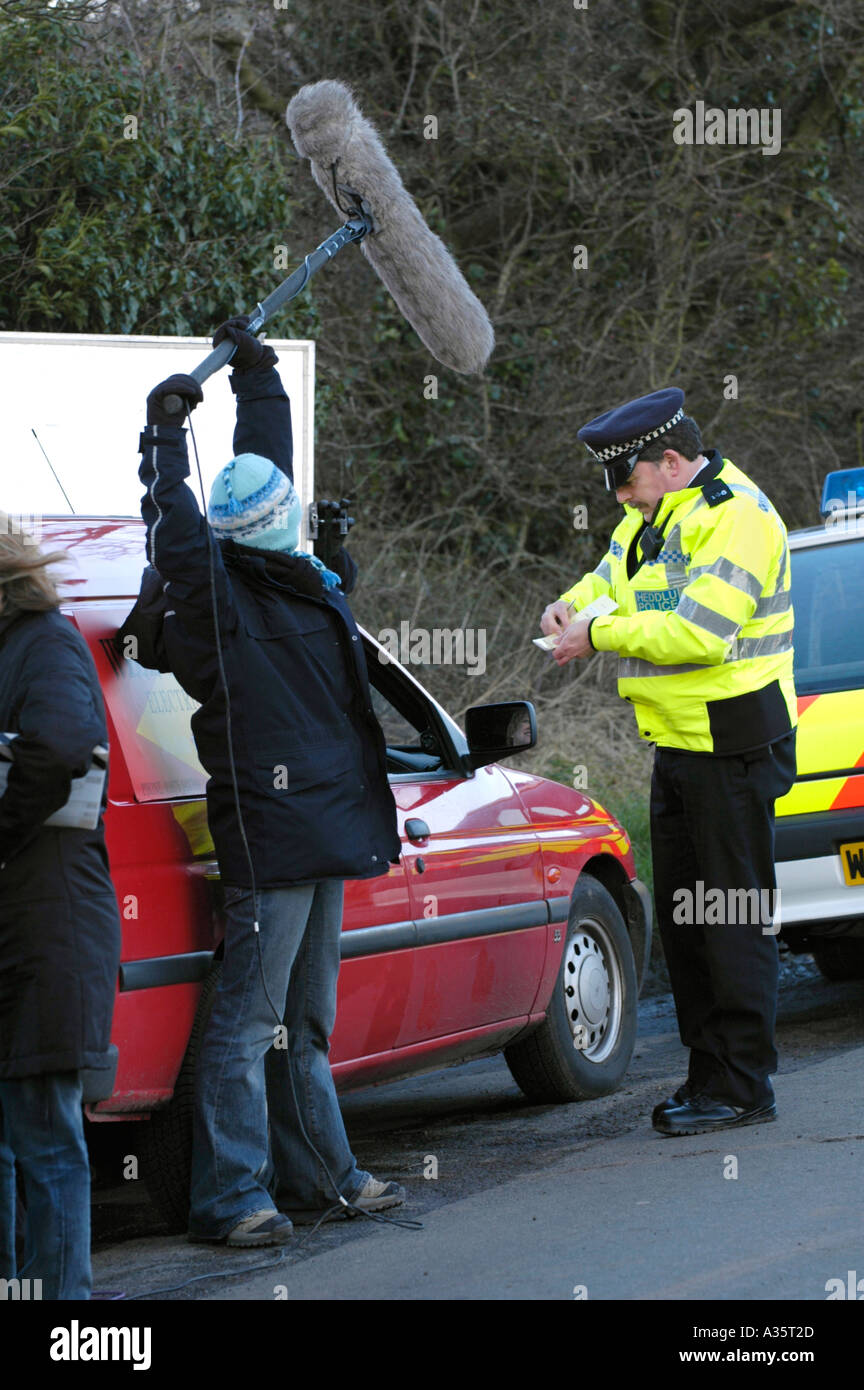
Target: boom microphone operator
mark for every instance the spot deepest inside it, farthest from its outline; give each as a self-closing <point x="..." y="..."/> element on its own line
<point x="351" y="166"/>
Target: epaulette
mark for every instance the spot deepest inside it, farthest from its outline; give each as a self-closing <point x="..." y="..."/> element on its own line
<point x="716" y="491"/>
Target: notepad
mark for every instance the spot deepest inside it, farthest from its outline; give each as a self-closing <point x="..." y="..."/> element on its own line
<point x="597" y="608"/>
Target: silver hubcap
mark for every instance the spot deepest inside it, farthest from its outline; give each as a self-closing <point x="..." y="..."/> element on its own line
<point x="592" y="990"/>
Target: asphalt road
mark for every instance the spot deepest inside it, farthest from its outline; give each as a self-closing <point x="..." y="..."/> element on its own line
<point x="535" y="1202"/>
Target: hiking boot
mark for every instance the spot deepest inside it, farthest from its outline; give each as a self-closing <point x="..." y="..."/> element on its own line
<point x="264" y="1227"/>
<point x="378" y="1196"/>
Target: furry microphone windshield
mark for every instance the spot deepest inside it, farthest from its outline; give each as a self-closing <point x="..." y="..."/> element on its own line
<point x="351" y="166"/>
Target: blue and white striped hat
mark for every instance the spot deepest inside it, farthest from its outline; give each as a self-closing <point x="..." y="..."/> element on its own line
<point x="252" y="502"/>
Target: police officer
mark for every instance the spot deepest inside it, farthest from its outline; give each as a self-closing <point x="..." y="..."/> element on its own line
<point x="699" y="570"/>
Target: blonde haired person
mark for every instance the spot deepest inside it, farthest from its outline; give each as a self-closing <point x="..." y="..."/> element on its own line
<point x="59" y="926"/>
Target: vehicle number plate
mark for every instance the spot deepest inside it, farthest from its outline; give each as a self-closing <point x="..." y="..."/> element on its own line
<point x="852" y="859"/>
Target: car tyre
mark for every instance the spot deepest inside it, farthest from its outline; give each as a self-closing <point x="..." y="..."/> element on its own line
<point x="583" y="1047"/>
<point x="840" y="957"/>
<point x="166" y="1147"/>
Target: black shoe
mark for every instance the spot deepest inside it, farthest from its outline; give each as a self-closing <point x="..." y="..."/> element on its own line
<point x="703" y="1114"/>
<point x="679" y="1097"/>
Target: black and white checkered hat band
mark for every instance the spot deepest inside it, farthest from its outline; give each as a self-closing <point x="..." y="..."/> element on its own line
<point x="614" y="451"/>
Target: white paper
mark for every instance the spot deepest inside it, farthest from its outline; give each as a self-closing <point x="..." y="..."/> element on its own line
<point x="597" y="608"/>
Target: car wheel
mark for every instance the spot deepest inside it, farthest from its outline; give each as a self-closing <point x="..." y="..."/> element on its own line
<point x="584" y="1046"/>
<point x="166" y="1145"/>
<point x="840" y="957"/>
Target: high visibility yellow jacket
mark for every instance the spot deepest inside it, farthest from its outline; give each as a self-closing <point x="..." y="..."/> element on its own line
<point x="703" y="631"/>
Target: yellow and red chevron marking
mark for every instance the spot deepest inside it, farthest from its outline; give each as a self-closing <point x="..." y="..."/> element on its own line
<point x="830" y="742"/>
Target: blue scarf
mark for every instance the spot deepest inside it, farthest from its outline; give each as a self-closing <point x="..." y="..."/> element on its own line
<point x="331" y="580"/>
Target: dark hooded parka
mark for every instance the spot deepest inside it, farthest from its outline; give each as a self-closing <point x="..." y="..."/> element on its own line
<point x="309" y="753"/>
<point x="59" y="923"/>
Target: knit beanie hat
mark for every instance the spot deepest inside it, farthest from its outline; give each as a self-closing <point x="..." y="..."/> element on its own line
<point x="252" y="502"/>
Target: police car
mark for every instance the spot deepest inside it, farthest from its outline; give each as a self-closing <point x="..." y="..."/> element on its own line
<point x="820" y="823"/>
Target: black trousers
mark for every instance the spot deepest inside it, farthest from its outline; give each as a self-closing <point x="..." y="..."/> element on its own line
<point x="712" y="842"/>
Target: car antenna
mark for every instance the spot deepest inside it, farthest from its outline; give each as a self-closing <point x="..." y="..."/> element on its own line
<point x="51" y="466"/>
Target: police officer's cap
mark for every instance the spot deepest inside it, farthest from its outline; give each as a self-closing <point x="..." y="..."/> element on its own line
<point x="618" y="437"/>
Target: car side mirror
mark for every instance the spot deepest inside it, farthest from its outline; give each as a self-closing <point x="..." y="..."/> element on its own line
<point x="496" y="731"/>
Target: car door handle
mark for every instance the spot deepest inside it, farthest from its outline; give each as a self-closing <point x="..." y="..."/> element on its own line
<point x="416" y="830"/>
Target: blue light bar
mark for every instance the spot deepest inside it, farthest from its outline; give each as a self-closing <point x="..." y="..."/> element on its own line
<point x="843" y="492"/>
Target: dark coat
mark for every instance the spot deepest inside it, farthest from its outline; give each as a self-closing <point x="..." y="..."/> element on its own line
<point x="309" y="753"/>
<point x="59" y="924"/>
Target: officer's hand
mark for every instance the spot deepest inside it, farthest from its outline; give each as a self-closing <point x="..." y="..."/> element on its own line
<point x="555" y="618"/>
<point x="250" y="353"/>
<point x="179" y="387"/>
<point x="574" y="643"/>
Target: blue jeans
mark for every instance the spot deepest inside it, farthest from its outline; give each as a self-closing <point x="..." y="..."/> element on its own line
<point x="245" y="1076"/>
<point x="42" y="1130"/>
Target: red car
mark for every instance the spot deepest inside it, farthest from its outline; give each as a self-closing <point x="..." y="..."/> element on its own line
<point x="514" y="921"/>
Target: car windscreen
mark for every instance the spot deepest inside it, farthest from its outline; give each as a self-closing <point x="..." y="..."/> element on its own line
<point x="828" y="598"/>
<point x="149" y="711"/>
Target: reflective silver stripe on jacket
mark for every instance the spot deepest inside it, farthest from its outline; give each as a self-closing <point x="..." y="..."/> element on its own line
<point x="781" y="572"/>
<point x="632" y="667"/>
<point x="755" y="492"/>
<point x="707" y="618"/>
<point x="743" y="649"/>
<point x="604" y="571"/>
<point x="779" y="602"/>
<point x="730" y="573"/>
<point x="746" y="648"/>
<point x="676" y="570"/>
<point x="764" y="505"/>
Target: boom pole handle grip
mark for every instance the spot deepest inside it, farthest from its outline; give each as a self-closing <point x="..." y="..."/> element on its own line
<point x="174" y="405"/>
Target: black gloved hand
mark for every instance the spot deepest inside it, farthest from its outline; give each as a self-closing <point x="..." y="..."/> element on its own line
<point x="189" y="392"/>
<point x="250" y="353"/>
<point x="334" y="523"/>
